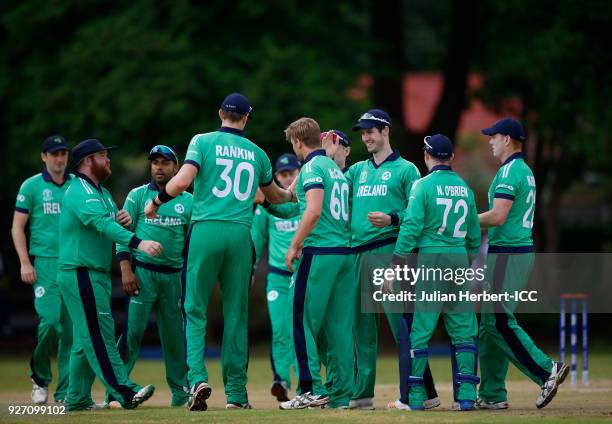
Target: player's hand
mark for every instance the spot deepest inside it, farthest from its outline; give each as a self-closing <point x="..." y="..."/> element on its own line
<point x="387" y="286"/>
<point x="28" y="274"/>
<point x="291" y="189"/>
<point x="293" y="253"/>
<point x="330" y="142"/>
<point x="150" y="247"/>
<point x="379" y="219"/>
<point x="124" y="218"/>
<point x="259" y="197"/>
<point x="150" y="210"/>
<point x="130" y="283"/>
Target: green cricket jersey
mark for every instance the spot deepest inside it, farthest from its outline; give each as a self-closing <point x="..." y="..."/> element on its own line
<point x="230" y="167"/>
<point x="320" y="172"/>
<point x="277" y="232"/>
<point x="41" y="198"/>
<point x="514" y="181"/>
<point x="169" y="228"/>
<point x="379" y="188"/>
<point x="88" y="228"/>
<point x="441" y="213"/>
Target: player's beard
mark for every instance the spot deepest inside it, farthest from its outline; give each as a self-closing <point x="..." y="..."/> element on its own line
<point x="101" y="170"/>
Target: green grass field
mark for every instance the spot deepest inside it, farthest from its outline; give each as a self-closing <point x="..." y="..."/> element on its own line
<point x="582" y="404"/>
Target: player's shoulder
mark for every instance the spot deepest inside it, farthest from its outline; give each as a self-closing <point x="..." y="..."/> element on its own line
<point x="461" y="181"/>
<point x="408" y="167"/>
<point x="358" y="166"/>
<point x="33" y="180"/>
<point x="201" y="140"/>
<point x="139" y="189"/>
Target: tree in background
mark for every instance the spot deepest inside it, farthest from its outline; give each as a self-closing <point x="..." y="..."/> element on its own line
<point x="554" y="58"/>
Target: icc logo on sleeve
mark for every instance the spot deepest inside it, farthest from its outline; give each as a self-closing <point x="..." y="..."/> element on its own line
<point x="47" y="195"/>
<point x="272" y="295"/>
<point x="363" y="177"/>
<point x="39" y="292"/>
<point x="21" y="197"/>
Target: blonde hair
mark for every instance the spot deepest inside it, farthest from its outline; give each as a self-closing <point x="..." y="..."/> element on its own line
<point x="306" y="130"/>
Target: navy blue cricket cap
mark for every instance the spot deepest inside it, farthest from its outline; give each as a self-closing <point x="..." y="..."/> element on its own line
<point x="238" y="103"/>
<point x="286" y="162"/>
<point x="86" y="148"/>
<point x="373" y="118"/>
<point x="54" y="143"/>
<point x="163" y="151"/>
<point x="506" y="126"/>
<point x="438" y="146"/>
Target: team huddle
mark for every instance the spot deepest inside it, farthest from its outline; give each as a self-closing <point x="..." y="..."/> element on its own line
<point x="323" y="222"/>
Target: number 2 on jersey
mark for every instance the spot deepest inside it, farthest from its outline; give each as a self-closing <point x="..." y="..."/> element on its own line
<point x="448" y="205"/>
<point x="234" y="185"/>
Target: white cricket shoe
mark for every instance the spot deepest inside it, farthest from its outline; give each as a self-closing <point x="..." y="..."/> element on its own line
<point x="304" y="401"/>
<point x="234" y="406"/>
<point x="549" y="388"/>
<point x="483" y="404"/>
<point x="39" y="394"/>
<point x="366" y="404"/>
<point x="400" y="406"/>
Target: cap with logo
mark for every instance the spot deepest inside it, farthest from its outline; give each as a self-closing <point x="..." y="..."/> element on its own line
<point x="163" y="151"/>
<point x="506" y="126"/>
<point x="54" y="143"/>
<point x="438" y="146"/>
<point x="286" y="162"/>
<point x="238" y="103"/>
<point x="373" y="118"/>
<point x="86" y="148"/>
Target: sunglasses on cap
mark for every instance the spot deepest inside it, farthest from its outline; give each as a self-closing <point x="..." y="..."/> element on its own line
<point x="163" y="151"/>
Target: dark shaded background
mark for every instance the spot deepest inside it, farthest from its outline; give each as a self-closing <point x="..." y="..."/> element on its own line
<point x="144" y="72"/>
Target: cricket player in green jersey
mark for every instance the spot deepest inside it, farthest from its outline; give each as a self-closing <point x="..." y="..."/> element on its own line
<point x="442" y="223"/>
<point x="89" y="224"/>
<point x="379" y="189"/>
<point x="39" y="206"/>
<point x="154" y="283"/>
<point x="324" y="273"/>
<point x="277" y="233"/>
<point x="226" y="169"/>
<point x="509" y="263"/>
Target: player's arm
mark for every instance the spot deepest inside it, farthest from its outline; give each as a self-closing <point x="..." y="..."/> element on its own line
<point x="309" y="219"/>
<point x="472" y="237"/>
<point x="20" y="220"/>
<point x="177" y="184"/>
<point x="259" y="233"/>
<point x="413" y="224"/>
<point x="497" y="216"/>
<point x="275" y="194"/>
<point x="92" y="214"/>
<point x="282" y="211"/>
<point x="128" y="278"/>
<point x="396" y="218"/>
